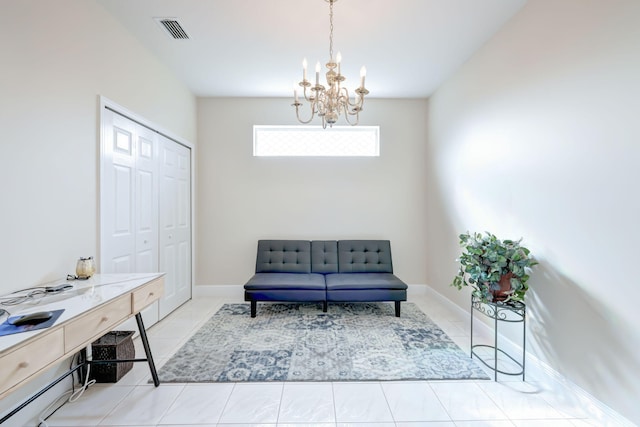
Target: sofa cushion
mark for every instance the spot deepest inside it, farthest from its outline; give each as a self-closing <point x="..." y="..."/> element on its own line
<point x="283" y="256"/>
<point x="368" y="295"/>
<point x="324" y="256"/>
<point x="364" y="256"/>
<point x="363" y="281"/>
<point x="286" y="281"/>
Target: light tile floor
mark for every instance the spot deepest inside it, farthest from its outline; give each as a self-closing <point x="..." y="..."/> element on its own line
<point x="507" y="403"/>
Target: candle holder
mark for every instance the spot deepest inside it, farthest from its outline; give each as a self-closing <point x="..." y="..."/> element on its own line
<point x="85" y="268"/>
<point x="333" y="101"/>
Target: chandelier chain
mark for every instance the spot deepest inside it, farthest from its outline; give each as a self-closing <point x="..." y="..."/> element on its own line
<point x="334" y="100"/>
<point x="331" y="29"/>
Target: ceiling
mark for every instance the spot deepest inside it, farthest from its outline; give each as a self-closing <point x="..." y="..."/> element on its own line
<point x="254" y="48"/>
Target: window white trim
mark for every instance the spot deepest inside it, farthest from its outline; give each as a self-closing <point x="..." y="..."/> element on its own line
<point x="314" y="141"/>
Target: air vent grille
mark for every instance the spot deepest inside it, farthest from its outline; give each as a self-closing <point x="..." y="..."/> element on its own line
<point x="173" y="28"/>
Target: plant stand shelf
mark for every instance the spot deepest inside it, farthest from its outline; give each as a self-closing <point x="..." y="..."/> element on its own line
<point x="511" y="312"/>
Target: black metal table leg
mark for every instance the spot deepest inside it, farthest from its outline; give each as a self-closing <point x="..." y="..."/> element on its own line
<point x="40" y="393"/>
<point x="147" y="349"/>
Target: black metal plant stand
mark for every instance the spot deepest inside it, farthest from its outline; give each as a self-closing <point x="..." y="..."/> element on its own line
<point x="511" y="312"/>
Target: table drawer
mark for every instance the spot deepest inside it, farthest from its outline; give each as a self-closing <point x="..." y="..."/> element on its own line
<point x="93" y="325"/>
<point x="26" y="361"/>
<point x="147" y="294"/>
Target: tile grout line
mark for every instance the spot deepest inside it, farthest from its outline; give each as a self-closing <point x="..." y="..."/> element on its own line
<point x="500" y="408"/>
<point x="386" y="399"/>
<point x="115" y="406"/>
<point x="333" y="399"/>
<point x="280" y="404"/>
<point x="435" y="393"/>
<point x="224" y="407"/>
<point x="169" y="405"/>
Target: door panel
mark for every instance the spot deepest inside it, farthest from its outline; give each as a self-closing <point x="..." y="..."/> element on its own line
<point x="145" y="207"/>
<point x="122" y="264"/>
<point x="122" y="197"/>
<point x="146" y="201"/>
<point x="168" y="256"/>
<point x="175" y="224"/>
<point x="116" y="197"/>
<point x="129" y="197"/>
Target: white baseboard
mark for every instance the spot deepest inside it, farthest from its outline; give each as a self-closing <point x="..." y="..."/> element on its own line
<point x="235" y="292"/>
<point x="534" y="365"/>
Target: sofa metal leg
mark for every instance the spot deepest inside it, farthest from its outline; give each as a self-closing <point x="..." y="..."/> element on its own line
<point x="324" y="306"/>
<point x="397" y="308"/>
<point x="254" y="308"/>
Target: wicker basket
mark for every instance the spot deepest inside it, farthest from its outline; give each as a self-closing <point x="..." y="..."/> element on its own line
<point x="115" y="345"/>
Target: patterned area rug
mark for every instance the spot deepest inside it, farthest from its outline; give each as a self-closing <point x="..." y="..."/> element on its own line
<point x="297" y="342"/>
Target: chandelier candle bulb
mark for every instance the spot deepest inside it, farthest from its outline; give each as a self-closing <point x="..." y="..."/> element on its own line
<point x="295" y="92"/>
<point x="304" y="70"/>
<point x="333" y="100"/>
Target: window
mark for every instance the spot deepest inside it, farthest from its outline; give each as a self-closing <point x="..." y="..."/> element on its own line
<point x="305" y="141"/>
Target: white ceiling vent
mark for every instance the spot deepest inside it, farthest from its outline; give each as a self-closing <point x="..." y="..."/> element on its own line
<point x="172" y="28"/>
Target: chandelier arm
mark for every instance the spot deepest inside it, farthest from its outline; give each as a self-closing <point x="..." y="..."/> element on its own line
<point x="346" y="117"/>
<point x="306" y="96"/>
<point x="347" y="98"/>
<point x="304" y="122"/>
<point x="330" y="102"/>
<point x="343" y="95"/>
<point x="358" y="107"/>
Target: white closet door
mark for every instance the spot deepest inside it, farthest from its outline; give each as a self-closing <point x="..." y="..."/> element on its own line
<point x="146" y="201"/>
<point x="145" y="208"/>
<point x="175" y="223"/>
<point x="129" y="202"/>
<point x="128" y="197"/>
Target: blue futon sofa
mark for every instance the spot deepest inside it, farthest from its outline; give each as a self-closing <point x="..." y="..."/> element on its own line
<point x="324" y="271"/>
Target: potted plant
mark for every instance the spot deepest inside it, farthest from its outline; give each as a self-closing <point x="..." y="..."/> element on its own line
<point x="496" y="269"/>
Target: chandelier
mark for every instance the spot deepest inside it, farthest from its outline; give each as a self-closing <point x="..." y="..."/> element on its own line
<point x="332" y="101"/>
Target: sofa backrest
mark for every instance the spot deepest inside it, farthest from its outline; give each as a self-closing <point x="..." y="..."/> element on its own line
<point x="283" y="256"/>
<point x="364" y="256"/>
<point x="324" y="256"/>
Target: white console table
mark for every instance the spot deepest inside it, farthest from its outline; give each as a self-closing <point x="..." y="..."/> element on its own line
<point x="91" y="309"/>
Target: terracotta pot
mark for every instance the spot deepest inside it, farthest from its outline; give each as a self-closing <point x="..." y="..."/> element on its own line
<point x="505" y="288"/>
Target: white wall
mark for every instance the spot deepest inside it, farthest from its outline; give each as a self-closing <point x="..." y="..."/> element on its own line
<point x="50" y="80"/>
<point x="242" y="198"/>
<point x="537" y="136"/>
<point x="57" y="58"/>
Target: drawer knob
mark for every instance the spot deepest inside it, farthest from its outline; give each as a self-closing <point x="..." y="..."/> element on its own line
<point x="23" y="365"/>
<point x="104" y="319"/>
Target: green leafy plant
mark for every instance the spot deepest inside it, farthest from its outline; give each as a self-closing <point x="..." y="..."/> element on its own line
<point x="487" y="260"/>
